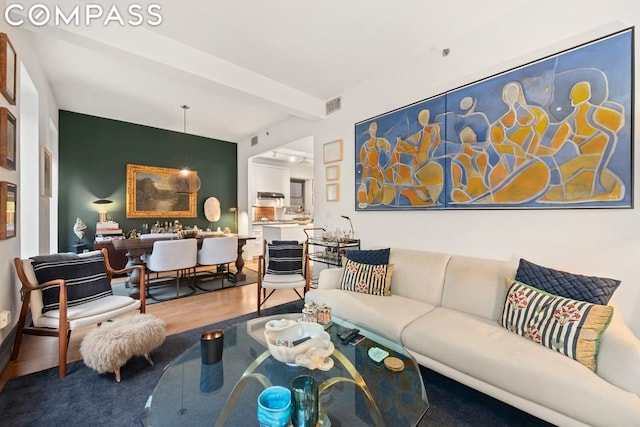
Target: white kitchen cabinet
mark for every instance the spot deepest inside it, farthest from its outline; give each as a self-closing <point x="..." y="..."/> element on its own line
<point x="271" y="179"/>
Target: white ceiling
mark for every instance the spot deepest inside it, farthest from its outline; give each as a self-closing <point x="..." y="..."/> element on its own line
<point x="243" y="65"/>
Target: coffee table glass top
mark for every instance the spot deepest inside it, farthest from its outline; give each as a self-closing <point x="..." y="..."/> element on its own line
<point x="190" y="393"/>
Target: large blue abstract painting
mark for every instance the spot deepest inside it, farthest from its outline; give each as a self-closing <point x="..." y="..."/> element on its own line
<point x="555" y="133"/>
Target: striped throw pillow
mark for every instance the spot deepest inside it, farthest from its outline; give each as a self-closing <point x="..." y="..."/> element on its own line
<point x="568" y="326"/>
<point x="285" y="257"/>
<point x="366" y="278"/>
<point x="86" y="279"/>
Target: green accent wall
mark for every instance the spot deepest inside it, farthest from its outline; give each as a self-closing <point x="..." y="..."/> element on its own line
<point x="93" y="157"/>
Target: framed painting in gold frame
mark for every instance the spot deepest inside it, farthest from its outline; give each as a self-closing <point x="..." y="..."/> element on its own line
<point x="7" y="139"/>
<point x="150" y="195"/>
<point x="8" y="61"/>
<point x="8" y="210"/>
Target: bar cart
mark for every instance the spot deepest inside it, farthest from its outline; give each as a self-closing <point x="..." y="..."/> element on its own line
<point x="326" y="250"/>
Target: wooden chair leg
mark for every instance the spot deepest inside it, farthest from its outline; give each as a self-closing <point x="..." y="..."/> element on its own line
<point x="259" y="297"/>
<point x="63" y="344"/>
<point x="17" y="342"/>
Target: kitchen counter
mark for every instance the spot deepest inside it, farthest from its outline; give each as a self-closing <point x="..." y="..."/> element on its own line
<point x="273" y="222"/>
<point x="285" y="231"/>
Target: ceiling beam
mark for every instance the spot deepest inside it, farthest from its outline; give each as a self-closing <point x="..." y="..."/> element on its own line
<point x="182" y="60"/>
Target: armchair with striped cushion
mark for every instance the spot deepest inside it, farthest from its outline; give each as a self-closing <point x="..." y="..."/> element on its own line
<point x="283" y="266"/>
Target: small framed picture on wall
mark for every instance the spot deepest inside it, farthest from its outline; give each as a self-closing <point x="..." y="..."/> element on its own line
<point x="332" y="151"/>
<point x="332" y="173"/>
<point x="333" y="192"/>
<point x="8" y="205"/>
<point x="7" y="139"/>
<point x="8" y="61"/>
<point x="45" y="174"/>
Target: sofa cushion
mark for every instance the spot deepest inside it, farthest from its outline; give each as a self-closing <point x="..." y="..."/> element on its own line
<point x="366" y="278"/>
<point x="386" y="316"/>
<point x="285" y="257"/>
<point x="369" y="256"/>
<point x="419" y="275"/>
<point x="618" y="340"/>
<point x="475" y="285"/>
<point x="565" y="325"/>
<point x="480" y="349"/>
<point x="86" y="279"/>
<point x="597" y="290"/>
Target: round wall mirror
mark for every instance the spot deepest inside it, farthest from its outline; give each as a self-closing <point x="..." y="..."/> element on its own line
<point x="212" y="209"/>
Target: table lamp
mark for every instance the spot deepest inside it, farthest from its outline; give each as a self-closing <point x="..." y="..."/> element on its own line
<point x="102" y="208"/>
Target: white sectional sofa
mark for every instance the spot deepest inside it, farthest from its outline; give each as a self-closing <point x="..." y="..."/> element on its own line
<point x="444" y="309"/>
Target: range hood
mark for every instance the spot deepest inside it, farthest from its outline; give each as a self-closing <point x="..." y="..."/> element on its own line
<point x="269" y="195"/>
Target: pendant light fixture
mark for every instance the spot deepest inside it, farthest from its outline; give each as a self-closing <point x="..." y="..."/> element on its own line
<point x="185" y="181"/>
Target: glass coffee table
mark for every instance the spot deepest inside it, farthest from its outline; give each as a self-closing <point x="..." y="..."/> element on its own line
<point x="354" y="392"/>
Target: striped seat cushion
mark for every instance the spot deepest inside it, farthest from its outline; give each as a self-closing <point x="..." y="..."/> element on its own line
<point x="86" y="279"/>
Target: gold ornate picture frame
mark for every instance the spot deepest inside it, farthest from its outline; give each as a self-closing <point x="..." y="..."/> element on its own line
<point x="149" y="194"/>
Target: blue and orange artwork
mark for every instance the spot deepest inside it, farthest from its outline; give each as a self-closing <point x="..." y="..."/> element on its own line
<point x="556" y="133"/>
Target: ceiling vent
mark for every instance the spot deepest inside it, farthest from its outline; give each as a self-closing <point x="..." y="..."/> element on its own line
<point x="254" y="140"/>
<point x="333" y="105"/>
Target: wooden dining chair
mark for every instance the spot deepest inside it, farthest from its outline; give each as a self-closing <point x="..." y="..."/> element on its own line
<point x="67" y="291"/>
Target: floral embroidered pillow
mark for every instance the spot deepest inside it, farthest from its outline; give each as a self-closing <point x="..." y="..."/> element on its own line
<point x="568" y="326"/>
<point x="366" y="278"/>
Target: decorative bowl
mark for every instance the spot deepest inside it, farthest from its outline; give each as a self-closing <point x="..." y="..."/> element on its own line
<point x="302" y="221"/>
<point x="313" y="353"/>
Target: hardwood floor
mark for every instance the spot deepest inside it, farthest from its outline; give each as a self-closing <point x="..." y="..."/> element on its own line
<point x="38" y="353"/>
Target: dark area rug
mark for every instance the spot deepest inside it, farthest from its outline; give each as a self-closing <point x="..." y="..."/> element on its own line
<point x="85" y="398"/>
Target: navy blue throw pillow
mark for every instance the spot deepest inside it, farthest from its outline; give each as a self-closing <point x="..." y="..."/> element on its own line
<point x="597" y="290"/>
<point x="369" y="256"/>
<point x="86" y="279"/>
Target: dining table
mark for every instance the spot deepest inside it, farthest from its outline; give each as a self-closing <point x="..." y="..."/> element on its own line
<point x="138" y="247"/>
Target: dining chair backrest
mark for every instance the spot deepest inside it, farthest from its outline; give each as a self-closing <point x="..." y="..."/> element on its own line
<point x="168" y="255"/>
<point x="218" y="250"/>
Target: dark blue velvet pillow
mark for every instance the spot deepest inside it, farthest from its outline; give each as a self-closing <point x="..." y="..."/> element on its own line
<point x="597" y="290"/>
<point x="369" y="256"/>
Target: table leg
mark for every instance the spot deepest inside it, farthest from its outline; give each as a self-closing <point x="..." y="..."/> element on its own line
<point x="134" y="257"/>
<point x="240" y="276"/>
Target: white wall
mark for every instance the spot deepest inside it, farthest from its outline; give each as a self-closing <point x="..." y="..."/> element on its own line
<point x="44" y="121"/>
<point x="602" y="242"/>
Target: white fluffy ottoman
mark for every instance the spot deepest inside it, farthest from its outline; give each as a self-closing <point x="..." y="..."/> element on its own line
<point x="109" y="346"/>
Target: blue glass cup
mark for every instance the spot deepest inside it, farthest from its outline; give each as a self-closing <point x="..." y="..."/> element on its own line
<point x="304" y="391"/>
<point x="274" y="407"/>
